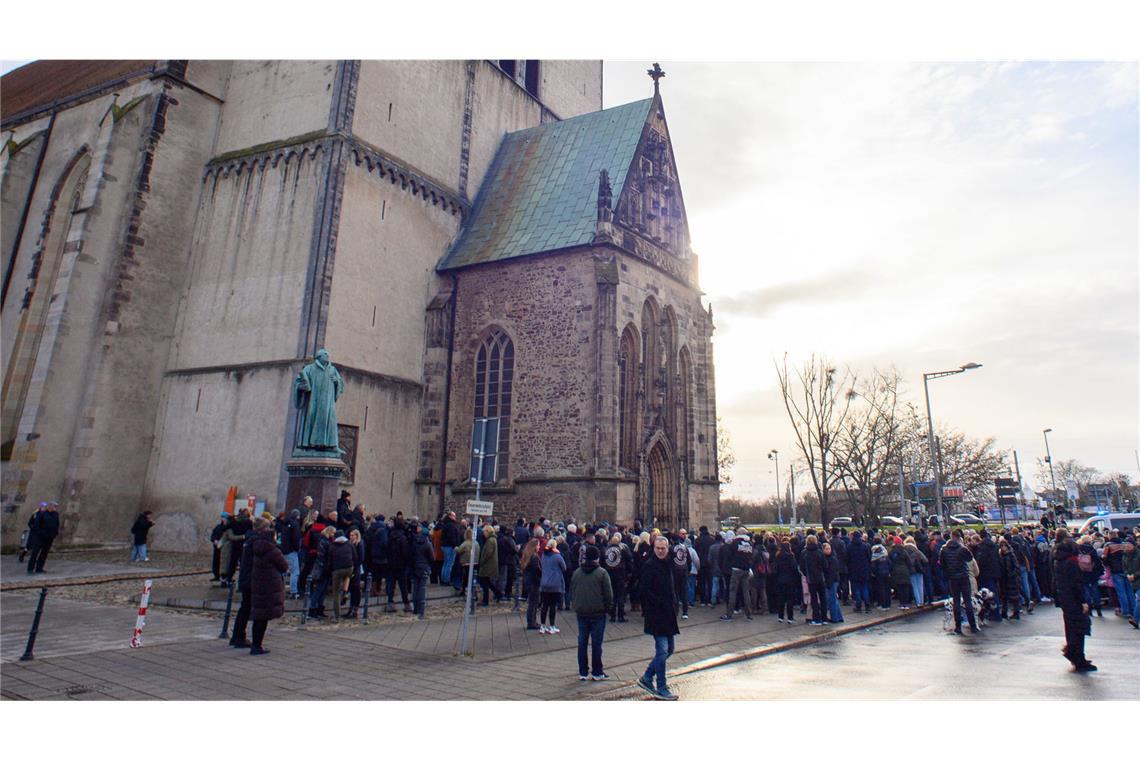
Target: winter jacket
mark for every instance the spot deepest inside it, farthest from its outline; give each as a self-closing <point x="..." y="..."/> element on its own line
<point x="1069" y="581"/>
<point x="489" y="559"/>
<point x="1131" y="565"/>
<point x="901" y="565"/>
<point x="703" y="543"/>
<point x="680" y="557"/>
<point x="1114" y="556"/>
<point x="830" y="568"/>
<point x="714" y="555"/>
<point x="267" y="600"/>
<point x="341" y="555"/>
<point x="617" y="559"/>
<point x="880" y="562"/>
<point x="463" y="554"/>
<point x="813" y="564"/>
<point x="140" y="529"/>
<point x="917" y="558"/>
<point x="291" y="536"/>
<point x="858" y="560"/>
<point x="987" y="556"/>
<point x="376" y="543"/>
<point x="323" y="564"/>
<point x="399" y="547"/>
<point x="658" y="599"/>
<point x="44" y="525"/>
<point x="553" y="573"/>
<point x="787" y="571"/>
<point x="508" y="551"/>
<point x="839" y="555"/>
<point x="313" y="537"/>
<point x="955" y="559"/>
<point x="1010" y="575"/>
<point x="740" y="553"/>
<point x="423" y="554"/>
<point x="245" y="567"/>
<point x="592" y="591"/>
<point x="451" y="535"/>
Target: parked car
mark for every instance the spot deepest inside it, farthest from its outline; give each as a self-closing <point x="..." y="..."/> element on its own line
<point x="892" y="522"/>
<point x="1113" y="521"/>
<point x="966" y="518"/>
<point x="842" y="522"/>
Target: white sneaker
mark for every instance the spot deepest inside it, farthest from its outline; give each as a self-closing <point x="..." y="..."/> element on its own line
<point x="553" y="630"/>
<point x="543" y="630"/>
<point x="684" y="617"/>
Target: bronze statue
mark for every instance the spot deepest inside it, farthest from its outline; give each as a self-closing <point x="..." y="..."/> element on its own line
<point x="315" y="393"/>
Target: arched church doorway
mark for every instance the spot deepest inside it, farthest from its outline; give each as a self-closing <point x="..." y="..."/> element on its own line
<point x="662" y="487"/>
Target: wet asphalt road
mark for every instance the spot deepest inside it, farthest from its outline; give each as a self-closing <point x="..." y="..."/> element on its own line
<point x="915" y="659"/>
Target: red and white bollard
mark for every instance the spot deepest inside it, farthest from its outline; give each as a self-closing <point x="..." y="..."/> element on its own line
<point x="136" y="637"/>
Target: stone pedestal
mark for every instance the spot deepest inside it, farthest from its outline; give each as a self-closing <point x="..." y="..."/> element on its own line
<point x="318" y="477"/>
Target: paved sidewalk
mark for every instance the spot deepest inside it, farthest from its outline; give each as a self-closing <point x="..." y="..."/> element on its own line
<point x="414" y="660"/>
<point x="60" y="570"/>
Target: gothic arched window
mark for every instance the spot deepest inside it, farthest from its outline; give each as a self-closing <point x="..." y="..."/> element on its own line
<point x="494" y="378"/>
<point x="627" y="398"/>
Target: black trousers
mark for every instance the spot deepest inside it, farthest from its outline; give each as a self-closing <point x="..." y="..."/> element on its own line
<point x="306" y="568"/>
<point x="704" y="585"/>
<point x="790" y="595"/>
<point x="774" y="603"/>
<point x="38" y="549"/>
<point x="818" y="605"/>
<point x="216" y="563"/>
<point x="259" y="627"/>
<point x="619" y="586"/>
<point x="398" y="575"/>
<point x="959" y="595"/>
<point x="242" y="619"/>
<point x="844" y="588"/>
<point x="681" y="589"/>
<point x="532" y="604"/>
<point x="883" y="590"/>
<point x="1075" y="640"/>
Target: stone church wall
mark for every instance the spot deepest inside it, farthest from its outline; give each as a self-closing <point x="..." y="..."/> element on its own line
<point x="268" y="101"/>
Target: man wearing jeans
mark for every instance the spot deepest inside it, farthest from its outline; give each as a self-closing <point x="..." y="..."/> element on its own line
<point x="593" y="597"/>
<point x="659" y="606"/>
<point x="448" y="541"/>
<point x="1114" y="559"/>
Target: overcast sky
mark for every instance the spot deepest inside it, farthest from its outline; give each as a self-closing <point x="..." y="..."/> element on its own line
<point x="923" y="216"/>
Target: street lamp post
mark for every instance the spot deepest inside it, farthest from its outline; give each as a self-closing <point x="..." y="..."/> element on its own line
<point x="1049" y="461"/>
<point x="934" y="465"/>
<point x="773" y="454"/>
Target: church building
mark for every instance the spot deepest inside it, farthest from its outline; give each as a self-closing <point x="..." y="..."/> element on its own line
<point x="478" y="246"/>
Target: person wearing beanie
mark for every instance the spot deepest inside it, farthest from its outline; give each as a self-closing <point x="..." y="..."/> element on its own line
<point x="593" y="596"/>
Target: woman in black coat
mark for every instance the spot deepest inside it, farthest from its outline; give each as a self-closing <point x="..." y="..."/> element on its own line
<point x="1010" y="580"/>
<point x="815" y="571"/>
<point x="788" y="584"/>
<point x="267" y="585"/>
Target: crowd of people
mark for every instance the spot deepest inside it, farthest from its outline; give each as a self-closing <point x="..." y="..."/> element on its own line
<point x="604" y="572"/>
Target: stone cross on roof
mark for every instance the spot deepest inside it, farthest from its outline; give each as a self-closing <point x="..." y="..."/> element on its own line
<point x="655" y="74"/>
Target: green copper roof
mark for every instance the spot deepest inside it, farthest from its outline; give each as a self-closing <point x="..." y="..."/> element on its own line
<point x="541" y="192"/>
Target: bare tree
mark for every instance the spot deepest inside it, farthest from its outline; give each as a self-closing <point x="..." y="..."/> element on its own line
<point x="725" y="457"/>
<point x="818" y="399"/>
<point x="971" y="463"/>
<point x="871" y="443"/>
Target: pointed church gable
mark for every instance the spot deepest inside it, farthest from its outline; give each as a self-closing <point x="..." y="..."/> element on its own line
<point x="541" y="192"/>
<point x="650" y="203"/>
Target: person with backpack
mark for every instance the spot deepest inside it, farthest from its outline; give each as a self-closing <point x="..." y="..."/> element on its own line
<point x="1091" y="567"/>
<point x="618" y="560"/>
<point x="593" y="597"/>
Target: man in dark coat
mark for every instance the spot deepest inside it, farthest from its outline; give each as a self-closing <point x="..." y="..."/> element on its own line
<point x="955" y="559"/>
<point x="659" y="607"/>
<point x="42" y="530"/>
<point x="618" y="563"/>
<point x="216" y="542"/>
<point x="376" y="551"/>
<point x="1067" y="577"/>
<point x="859" y="571"/>
<point x="839" y="556"/>
<point x="267" y="589"/>
<point x="291" y="548"/>
<point x="399" y="564"/>
<point x="704" y="573"/>
<point x="989" y="568"/>
<point x="422" y="555"/>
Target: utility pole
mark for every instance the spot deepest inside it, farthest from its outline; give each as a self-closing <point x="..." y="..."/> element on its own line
<point x="773" y="454"/>
<point x="1020" y="495"/>
<point x="1052" y="479"/>
<point x="792" y="480"/>
<point x="926" y="378"/>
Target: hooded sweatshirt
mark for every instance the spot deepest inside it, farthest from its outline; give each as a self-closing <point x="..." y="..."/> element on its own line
<point x="591" y="590"/>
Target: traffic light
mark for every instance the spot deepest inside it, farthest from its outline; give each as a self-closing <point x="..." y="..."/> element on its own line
<point x="1007" y="489"/>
